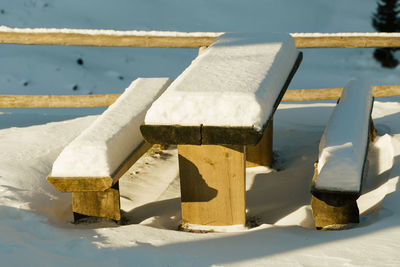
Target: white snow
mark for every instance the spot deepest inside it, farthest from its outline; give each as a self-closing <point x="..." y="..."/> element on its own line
<point x="35" y="228"/>
<point x="235" y="82"/>
<point x="346" y="34"/>
<point x="215" y="228"/>
<point x="102" y="147"/>
<point x="344" y="143"/>
<point x="4" y="28"/>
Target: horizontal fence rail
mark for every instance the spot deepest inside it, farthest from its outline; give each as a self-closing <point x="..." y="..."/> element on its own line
<point x="56" y="101"/>
<point x="335" y="93"/>
<point x="112" y="38"/>
<point x="104" y="100"/>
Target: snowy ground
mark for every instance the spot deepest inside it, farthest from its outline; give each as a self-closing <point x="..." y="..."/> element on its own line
<point x="35" y="228"/>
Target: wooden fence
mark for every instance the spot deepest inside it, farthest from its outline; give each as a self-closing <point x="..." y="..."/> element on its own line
<point x="107" y="38"/>
<point x="181" y="39"/>
<point x="104" y="100"/>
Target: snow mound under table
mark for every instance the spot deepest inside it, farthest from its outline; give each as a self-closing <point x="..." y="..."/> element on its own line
<point x="228" y="94"/>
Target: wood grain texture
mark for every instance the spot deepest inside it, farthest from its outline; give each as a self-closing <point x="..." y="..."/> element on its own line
<point x="261" y="154"/>
<point x="104" y="100"/>
<point x="356" y="41"/>
<point x="335" y="93"/>
<point x="105" y="40"/>
<point x="186" y="40"/>
<point x="98" y="204"/>
<point x="80" y="184"/>
<point x="212" y="185"/>
<point x="57" y="101"/>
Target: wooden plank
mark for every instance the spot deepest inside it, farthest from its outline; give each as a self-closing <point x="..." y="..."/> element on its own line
<point x="80" y="184"/>
<point x="182" y="39"/>
<point x="312" y="94"/>
<point x="335" y="93"/>
<point x="98" y="204"/>
<point x="361" y="40"/>
<point x="104" y="100"/>
<point x="56" y="101"/>
<point x="385" y="90"/>
<point x="86" y="184"/>
<point x="212" y="185"/>
<point x="171" y="134"/>
<point x="261" y="154"/>
<point x="105" y="40"/>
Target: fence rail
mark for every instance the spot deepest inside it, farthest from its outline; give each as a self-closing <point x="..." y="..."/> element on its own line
<point x="104" y="100"/>
<point x="81" y="37"/>
<point x="111" y="38"/>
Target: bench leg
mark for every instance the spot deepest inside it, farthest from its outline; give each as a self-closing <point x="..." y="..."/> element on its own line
<point x="104" y="204"/>
<point x="261" y="154"/>
<point x="212" y="185"/>
<point x="334" y="211"/>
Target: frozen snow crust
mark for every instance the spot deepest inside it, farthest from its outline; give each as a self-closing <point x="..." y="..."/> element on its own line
<point x="343" y="145"/>
<point x="100" y="149"/>
<point x="234" y="82"/>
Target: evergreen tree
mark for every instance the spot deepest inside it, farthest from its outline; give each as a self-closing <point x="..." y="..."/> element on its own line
<point x="386" y="20"/>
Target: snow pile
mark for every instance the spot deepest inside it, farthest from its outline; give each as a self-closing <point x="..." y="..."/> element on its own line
<point x="35" y="226"/>
<point x="102" y="147"/>
<point x="6" y="29"/>
<point x="344" y="143"/>
<point x="235" y="82"/>
<point x="346" y="34"/>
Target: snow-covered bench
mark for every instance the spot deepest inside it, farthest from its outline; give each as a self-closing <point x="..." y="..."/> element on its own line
<point x="223" y="102"/>
<point x="342" y="158"/>
<point x="92" y="163"/>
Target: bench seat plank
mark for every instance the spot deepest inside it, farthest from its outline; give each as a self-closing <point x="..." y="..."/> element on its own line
<point x="87" y="184"/>
<point x="92" y="163"/>
<point x="344" y="144"/>
<point x="228" y="94"/>
<point x="341" y="166"/>
<point x="101" y="148"/>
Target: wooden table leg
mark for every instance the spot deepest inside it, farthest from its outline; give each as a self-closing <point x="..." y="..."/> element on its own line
<point x="212" y="185"/>
<point x="104" y="204"/>
<point x="261" y="154"/>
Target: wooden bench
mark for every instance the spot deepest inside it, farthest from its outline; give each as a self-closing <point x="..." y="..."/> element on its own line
<point x="91" y="165"/>
<point x="221" y="104"/>
<point x="342" y="161"/>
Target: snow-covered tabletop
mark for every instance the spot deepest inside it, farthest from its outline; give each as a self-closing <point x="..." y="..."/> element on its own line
<point x="235" y="84"/>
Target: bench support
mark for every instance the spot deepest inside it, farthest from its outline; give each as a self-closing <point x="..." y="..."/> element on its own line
<point x="334" y="211"/>
<point x="212" y="185"/>
<point x="104" y="204"/>
<point x="261" y="154"/>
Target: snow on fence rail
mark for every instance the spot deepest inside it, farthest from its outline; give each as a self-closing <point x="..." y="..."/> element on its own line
<point x="170" y="39"/>
<point x="104" y="100"/>
<point x="86" y="37"/>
